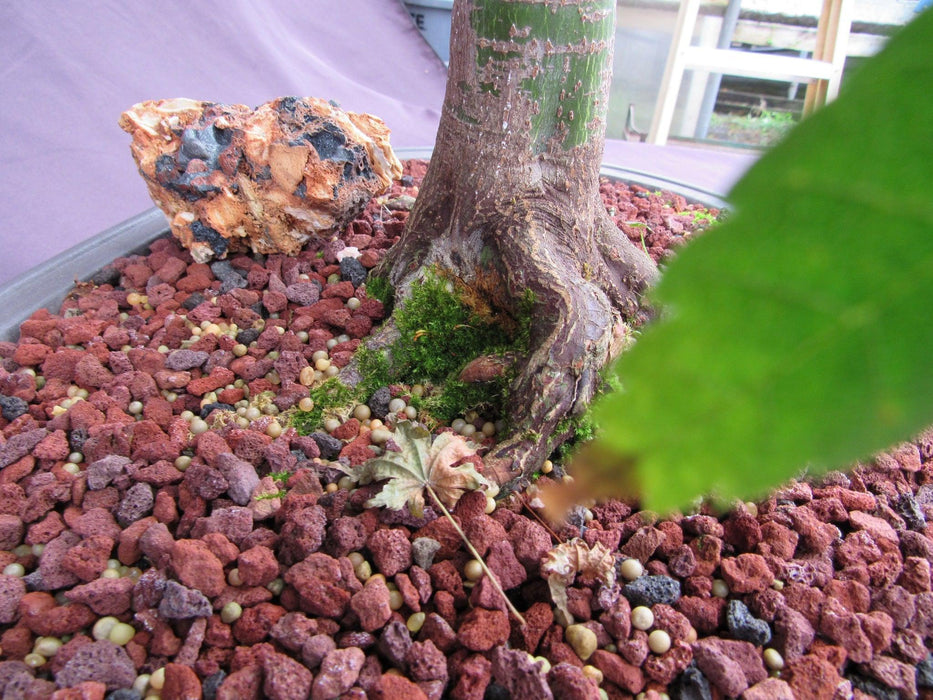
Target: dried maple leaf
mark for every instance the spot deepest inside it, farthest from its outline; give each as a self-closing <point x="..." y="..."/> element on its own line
<point x="421" y="464"/>
<point x="566" y="561"/>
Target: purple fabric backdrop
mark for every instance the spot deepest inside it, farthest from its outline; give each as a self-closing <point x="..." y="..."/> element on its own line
<point x="70" y="69"/>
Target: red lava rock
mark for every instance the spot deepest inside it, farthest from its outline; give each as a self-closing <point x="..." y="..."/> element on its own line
<point x="707" y="552"/>
<point x="568" y="682"/>
<point x="481" y="629"/>
<point x="628" y="677"/>
<point x="88" y="558"/>
<point x="391" y="550"/>
<point x="357" y="451"/>
<point x="793" y="633"/>
<point x="843" y="627"/>
<point x="339" y="672"/>
<point x="437" y="630"/>
<point x="257" y="566"/>
<point x="770" y="689"/>
<point x="426" y="662"/>
<point x="105" y="596"/>
<point x="730" y="665"/>
<point x="181" y="683"/>
<point x="390" y="687"/>
<point x="100" y="661"/>
<point x="473" y="678"/>
<point x="372" y="604"/>
<point x="530" y="542"/>
<point x="197" y="567"/>
<point x="812" y="678"/>
<point x="86" y="690"/>
<point x="508" y="572"/>
<point x="317" y="580"/>
<point x="664" y="668"/>
<point x="746" y="573"/>
<point x="254" y="624"/>
<point x="242" y="683"/>
<point x="284" y="678"/>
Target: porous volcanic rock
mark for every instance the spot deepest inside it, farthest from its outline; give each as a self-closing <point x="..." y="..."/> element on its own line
<point x="230" y="178"/>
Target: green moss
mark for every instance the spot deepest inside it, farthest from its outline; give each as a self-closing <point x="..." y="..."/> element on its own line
<point x="375" y="369"/>
<point x="330" y="395"/>
<point x="438" y="335"/>
<point x="457" y="398"/>
<point x="380" y="288"/>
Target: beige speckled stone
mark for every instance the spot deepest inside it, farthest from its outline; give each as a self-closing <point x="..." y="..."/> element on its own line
<point x="230" y="178"/>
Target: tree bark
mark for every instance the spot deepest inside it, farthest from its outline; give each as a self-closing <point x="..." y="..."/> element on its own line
<point x="510" y="203"/>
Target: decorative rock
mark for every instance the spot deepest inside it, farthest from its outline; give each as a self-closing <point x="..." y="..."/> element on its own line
<point x="197" y="567"/>
<point x="746" y="573"/>
<point x="136" y="504"/>
<point x="240" y="475"/>
<point x="12" y="589"/>
<point x="352" y="270"/>
<point x="423" y="550"/>
<point x="313" y="168"/>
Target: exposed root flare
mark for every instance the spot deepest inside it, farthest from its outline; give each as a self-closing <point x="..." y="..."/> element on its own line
<point x="586" y="279"/>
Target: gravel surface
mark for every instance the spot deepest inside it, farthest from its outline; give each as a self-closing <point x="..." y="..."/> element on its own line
<point x="165" y="533"/>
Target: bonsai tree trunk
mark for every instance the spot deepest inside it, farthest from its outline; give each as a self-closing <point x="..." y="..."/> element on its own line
<point x="510" y="203"/>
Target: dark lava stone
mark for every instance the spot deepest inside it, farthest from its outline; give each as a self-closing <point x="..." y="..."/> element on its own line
<point x="124" y="694"/>
<point x="211" y="684"/>
<point x="247" y="336"/>
<point x="77" y="438"/>
<point x="108" y="274"/>
<point x="907" y="507"/>
<point x="691" y="685"/>
<point x="194" y="299"/>
<point x="872" y="687"/>
<point x="925" y="672"/>
<point x="745" y="626"/>
<point x="216" y="406"/>
<point x="379" y="403"/>
<point x="494" y="691"/>
<point x="353" y="270"/>
<point x="229" y="278"/>
<point x="329" y="445"/>
<point x="651" y="590"/>
<point x="407" y="181"/>
<point x="12" y="407"/>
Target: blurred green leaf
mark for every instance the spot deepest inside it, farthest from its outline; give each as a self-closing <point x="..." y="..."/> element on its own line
<point x="799" y="334"/>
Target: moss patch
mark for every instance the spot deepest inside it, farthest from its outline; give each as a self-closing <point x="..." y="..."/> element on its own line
<point x="331" y="394"/>
<point x="439" y="333"/>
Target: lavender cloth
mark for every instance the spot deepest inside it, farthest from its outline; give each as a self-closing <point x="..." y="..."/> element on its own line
<point x="70" y="69"/>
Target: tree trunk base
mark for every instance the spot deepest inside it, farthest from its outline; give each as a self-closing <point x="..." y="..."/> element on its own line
<point x="562" y="251"/>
